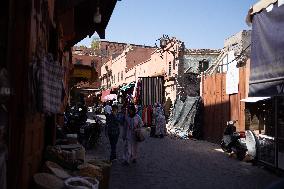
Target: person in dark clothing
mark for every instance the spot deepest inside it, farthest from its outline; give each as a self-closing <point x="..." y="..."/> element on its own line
<point x="113" y="122"/>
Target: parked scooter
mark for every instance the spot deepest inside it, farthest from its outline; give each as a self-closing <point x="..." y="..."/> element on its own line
<point x="232" y="141"/>
<point x="76" y="122"/>
<point x="74" y="119"/>
<point x="90" y="133"/>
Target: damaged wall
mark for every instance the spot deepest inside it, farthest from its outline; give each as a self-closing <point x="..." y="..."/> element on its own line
<point x="193" y="57"/>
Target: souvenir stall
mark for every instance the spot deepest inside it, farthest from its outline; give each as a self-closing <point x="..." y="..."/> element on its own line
<point x="125" y="94"/>
<point x="145" y="93"/>
<point x="149" y="91"/>
<point x="259" y="113"/>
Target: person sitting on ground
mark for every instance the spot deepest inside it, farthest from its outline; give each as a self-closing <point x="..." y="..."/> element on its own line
<point x="112" y="130"/>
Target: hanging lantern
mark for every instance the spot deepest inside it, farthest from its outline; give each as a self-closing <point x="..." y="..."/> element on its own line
<point x="97" y="16"/>
<point x="163" y="42"/>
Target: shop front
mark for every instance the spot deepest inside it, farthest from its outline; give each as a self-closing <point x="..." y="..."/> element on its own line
<point x="38" y="36"/>
<point x="267" y="80"/>
<point x="265" y="118"/>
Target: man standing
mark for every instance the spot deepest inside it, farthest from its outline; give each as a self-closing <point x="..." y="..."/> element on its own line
<point x="112" y="130"/>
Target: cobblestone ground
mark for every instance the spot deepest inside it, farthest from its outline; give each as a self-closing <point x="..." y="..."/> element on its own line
<point x="182" y="164"/>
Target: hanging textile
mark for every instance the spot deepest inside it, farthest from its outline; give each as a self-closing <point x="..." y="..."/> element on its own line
<point x="149" y="116"/>
<point x="144" y="115"/>
<point x="267" y="60"/>
<point x="152" y="90"/>
<point x="51" y="75"/>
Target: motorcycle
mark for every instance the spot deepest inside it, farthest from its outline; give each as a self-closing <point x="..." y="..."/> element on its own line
<point x="233" y="141"/>
<point x="76" y="122"/>
<point x="74" y="119"/>
<point x="90" y="133"/>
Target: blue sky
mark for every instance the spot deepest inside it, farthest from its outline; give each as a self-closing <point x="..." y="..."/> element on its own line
<point x="200" y="24"/>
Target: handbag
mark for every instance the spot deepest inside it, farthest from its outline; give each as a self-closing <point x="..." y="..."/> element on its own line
<point x="139" y="136"/>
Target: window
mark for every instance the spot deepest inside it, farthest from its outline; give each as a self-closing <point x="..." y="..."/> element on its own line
<point x="203" y="65"/>
<point x="118" y="77"/>
<point x="170" y="68"/>
<point x="113" y="78"/>
<point x="122" y="76"/>
<point x="174" y="65"/>
<point x="224" y="67"/>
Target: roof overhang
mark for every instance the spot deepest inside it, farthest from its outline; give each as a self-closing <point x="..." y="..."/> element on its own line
<point x="83" y="13"/>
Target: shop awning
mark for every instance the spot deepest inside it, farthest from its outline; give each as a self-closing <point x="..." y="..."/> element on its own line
<point x="104" y="94"/>
<point x="110" y="97"/>
<point x="254" y="99"/>
<point x="267" y="60"/>
<point x="128" y="86"/>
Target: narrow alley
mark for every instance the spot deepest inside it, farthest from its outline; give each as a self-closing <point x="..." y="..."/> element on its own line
<point x="117" y="94"/>
<point x="184" y="164"/>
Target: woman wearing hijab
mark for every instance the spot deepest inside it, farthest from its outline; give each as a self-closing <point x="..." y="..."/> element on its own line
<point x="133" y="124"/>
<point x="160" y="122"/>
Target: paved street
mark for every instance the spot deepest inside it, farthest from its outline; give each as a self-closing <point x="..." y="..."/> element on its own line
<point x="183" y="164"/>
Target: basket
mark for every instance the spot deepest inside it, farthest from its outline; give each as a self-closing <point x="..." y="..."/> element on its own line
<point x="48" y="181"/>
<point x="89" y="170"/>
<point x="105" y="172"/>
<point x="57" y="170"/>
<point x="81" y="183"/>
<point x="66" y="156"/>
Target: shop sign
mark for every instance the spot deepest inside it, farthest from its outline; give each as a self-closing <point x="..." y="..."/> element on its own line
<point x="82" y="73"/>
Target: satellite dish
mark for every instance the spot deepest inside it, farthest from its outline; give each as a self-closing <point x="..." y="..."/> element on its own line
<point x="251" y="143"/>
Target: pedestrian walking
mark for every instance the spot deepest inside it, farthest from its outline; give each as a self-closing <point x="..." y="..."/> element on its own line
<point x="160" y="121"/>
<point x="113" y="122"/>
<point x="132" y="125"/>
<point x="107" y="109"/>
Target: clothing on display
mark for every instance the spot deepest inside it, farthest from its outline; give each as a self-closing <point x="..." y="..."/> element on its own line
<point x="147" y="115"/>
<point x="152" y="90"/>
